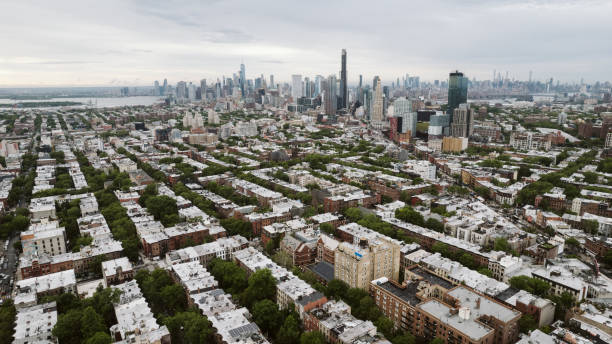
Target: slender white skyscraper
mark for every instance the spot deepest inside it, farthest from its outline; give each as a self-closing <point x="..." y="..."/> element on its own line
<point x="242" y="79"/>
<point x="377" y="108"/>
<point x="296" y="87"/>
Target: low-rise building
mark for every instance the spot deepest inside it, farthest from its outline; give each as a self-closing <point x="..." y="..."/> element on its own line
<point x="117" y="271"/>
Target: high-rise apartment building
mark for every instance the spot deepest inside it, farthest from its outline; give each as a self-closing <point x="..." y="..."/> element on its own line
<point x="318" y="88"/>
<point x="377" y="108"/>
<point x="296" y="87"/>
<point x="457" y="91"/>
<point x="242" y="79"/>
<point x="463" y="121"/>
<point x="369" y="256"/>
<point x="329" y="96"/>
<point x="181" y="90"/>
<point x="307" y="89"/>
<point x="343" y="85"/>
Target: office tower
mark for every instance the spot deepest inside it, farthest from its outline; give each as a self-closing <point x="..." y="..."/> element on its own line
<point x="330" y="95"/>
<point x="272" y="85"/>
<point x="385" y="99"/>
<point x="402" y="108"/>
<point x="530" y="75"/>
<point x="165" y="86"/>
<point x="463" y="121"/>
<point x="318" y="87"/>
<point x="156" y="88"/>
<point x="307" y="89"/>
<point x="203" y="87"/>
<point x="360" y="81"/>
<point x="402" y="105"/>
<point x="296" y="87"/>
<point x="367" y="103"/>
<point x="218" y="89"/>
<point x="375" y="82"/>
<point x="343" y="86"/>
<point x="181" y="90"/>
<point x="242" y="79"/>
<point x="457" y="91"/>
<point x="377" y="108"/>
<point x="191" y="91"/>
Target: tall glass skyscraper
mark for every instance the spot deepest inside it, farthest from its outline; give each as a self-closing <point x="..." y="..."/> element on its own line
<point x="343" y="86"/>
<point x="242" y="79"/>
<point x="457" y="91"/>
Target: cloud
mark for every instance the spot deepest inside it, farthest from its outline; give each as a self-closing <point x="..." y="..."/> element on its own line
<point x="145" y="40"/>
<point x="272" y="61"/>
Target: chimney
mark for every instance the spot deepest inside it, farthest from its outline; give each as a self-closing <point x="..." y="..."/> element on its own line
<point x="478" y="303"/>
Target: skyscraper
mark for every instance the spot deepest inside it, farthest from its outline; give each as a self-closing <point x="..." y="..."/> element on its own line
<point x="343" y="86"/>
<point x="181" y="90"/>
<point x="296" y="87"/>
<point x="377" y="108"/>
<point x="457" y="91"/>
<point x="463" y="121"/>
<point x="242" y="79"/>
<point x="272" y="81"/>
<point x="307" y="89"/>
<point x="330" y="97"/>
<point x="203" y="88"/>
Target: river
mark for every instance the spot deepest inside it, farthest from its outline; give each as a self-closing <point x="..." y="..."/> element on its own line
<point x="93" y="101"/>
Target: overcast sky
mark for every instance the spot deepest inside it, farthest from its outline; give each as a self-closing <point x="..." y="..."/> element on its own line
<point x="134" y="42"/>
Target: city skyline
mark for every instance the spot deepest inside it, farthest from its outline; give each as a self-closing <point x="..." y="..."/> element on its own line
<point x="135" y="42"/>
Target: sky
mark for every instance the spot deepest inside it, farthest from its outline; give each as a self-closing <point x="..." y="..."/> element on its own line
<point x="135" y="42"/>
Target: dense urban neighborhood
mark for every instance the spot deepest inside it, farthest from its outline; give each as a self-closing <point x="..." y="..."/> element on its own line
<point x="254" y="212"/>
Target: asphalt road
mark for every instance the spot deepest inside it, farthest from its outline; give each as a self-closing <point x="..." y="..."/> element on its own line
<point x="8" y="266"/>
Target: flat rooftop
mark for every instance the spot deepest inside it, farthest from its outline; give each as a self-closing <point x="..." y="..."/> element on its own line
<point x="441" y="311"/>
<point x="324" y="270"/>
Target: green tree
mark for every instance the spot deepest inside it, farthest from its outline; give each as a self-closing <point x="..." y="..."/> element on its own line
<point x="532" y="285"/>
<point x="410" y="215"/>
<point x="435" y="225"/>
<point x="441" y="248"/>
<point x="386" y="326"/>
<point x="527" y="323"/>
<point x="405" y="338"/>
<point x="99" y="338"/>
<point x="590" y="226"/>
<point x="289" y="333"/>
<point x="336" y="289"/>
<point x="354" y="295"/>
<point x="237" y="227"/>
<point x="353" y="214"/>
<point x="485" y="272"/>
<point x="7" y="321"/>
<point x="501" y="244"/>
<point x="467" y="260"/>
<point x="267" y="316"/>
<point x="161" y="206"/>
<point x="437" y="341"/>
<point x="231" y="277"/>
<point x="91" y="322"/>
<point x="261" y="285"/>
<point x="68" y="329"/>
<point x="315" y="337"/>
<point x="590" y="177"/>
<point x="327" y="228"/>
<point x="189" y="328"/>
<point x="174" y="298"/>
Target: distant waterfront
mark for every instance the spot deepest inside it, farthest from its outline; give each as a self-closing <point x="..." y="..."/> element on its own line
<point x="93" y="101"/>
